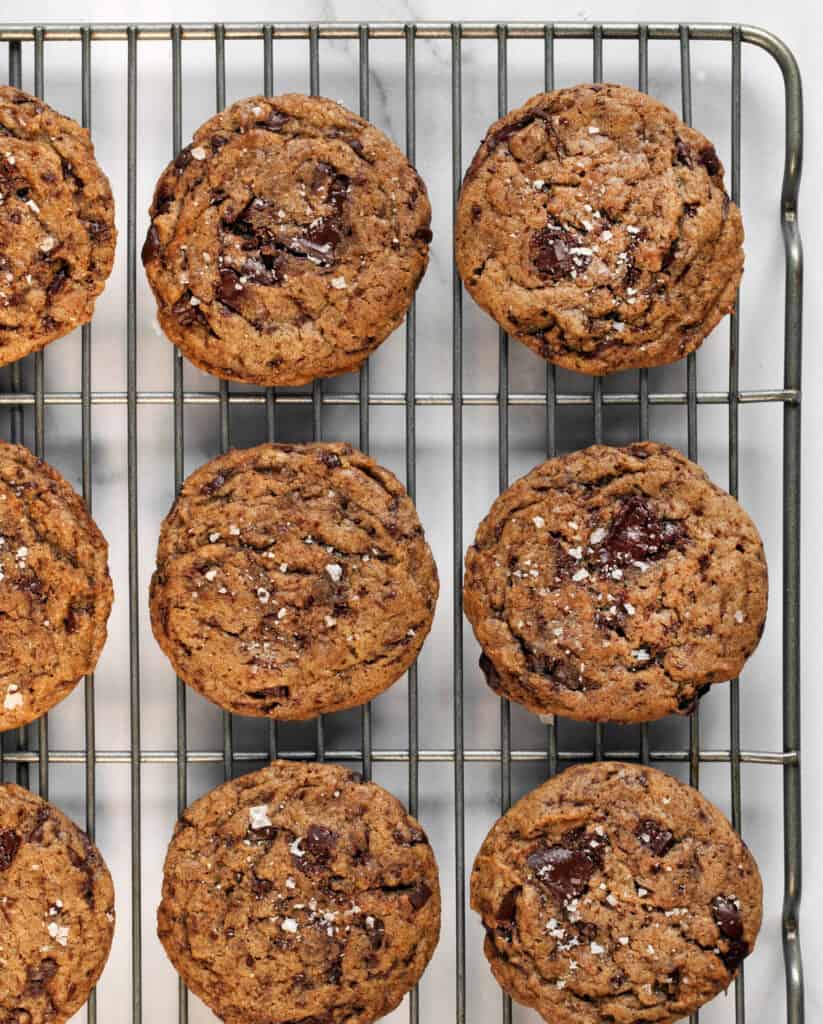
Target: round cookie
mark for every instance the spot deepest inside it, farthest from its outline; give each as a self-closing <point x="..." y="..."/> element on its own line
<point x="615" y="584"/>
<point x="292" y="580"/>
<point x="593" y="225"/>
<point x="58" y="911"/>
<point x="55" y="589"/>
<point x="286" y="242"/>
<point x="57" y="232"/>
<point x="299" y="893"/>
<point x="615" y="893"/>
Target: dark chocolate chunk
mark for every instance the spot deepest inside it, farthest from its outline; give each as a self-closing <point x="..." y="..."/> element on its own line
<point x="320" y="843"/>
<point x="656" y="836"/>
<point x="683" y="153"/>
<point x="420" y="895"/>
<point x="638" y="534"/>
<point x="710" y="160"/>
<point x="564" y="872"/>
<point x="728" y="917"/>
<point x="230" y="291"/>
<point x="552" y="251"/>
<point x="9" y="845"/>
<point x="507" y="911"/>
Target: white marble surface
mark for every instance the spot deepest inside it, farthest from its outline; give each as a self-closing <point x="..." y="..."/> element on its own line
<point x="761" y="363"/>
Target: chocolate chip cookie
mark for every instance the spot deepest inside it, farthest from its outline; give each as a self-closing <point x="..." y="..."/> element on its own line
<point x="286" y="242"/>
<point x="615" y="893"/>
<point x="57" y="233"/>
<point x="299" y="894"/>
<point x="615" y="584"/>
<point x="292" y="580"/>
<point x="593" y="225"/>
<point x="58" y="911"/>
<point x="55" y="589"/>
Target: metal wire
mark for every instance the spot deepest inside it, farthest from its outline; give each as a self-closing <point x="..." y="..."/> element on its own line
<point x="26" y="751"/>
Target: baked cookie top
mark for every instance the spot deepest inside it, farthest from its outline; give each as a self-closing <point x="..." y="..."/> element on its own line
<point x="614" y="892"/>
<point x="58" y="911"/>
<point x="615" y="584"/>
<point x="299" y="893"/>
<point x="57" y="232"/>
<point x="55" y="589"/>
<point x="593" y="225"/>
<point x="286" y="242"/>
<point x="292" y="580"/>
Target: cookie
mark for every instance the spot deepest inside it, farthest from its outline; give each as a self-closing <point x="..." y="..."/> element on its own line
<point x="55" y="589"/>
<point x="58" y="911"/>
<point x="292" y="580"/>
<point x="299" y="894"/>
<point x="615" y="584"/>
<point x="57" y="233"/>
<point x="286" y="242"/>
<point x="615" y="893"/>
<point x="593" y="225"/>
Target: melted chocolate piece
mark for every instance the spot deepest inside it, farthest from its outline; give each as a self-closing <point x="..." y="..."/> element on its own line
<point x="565" y="873"/>
<point x="377" y="933"/>
<point x="9" y="845"/>
<point x="213" y="485"/>
<point x="183" y="158"/>
<point x="637" y="534"/>
<point x="230" y="290"/>
<point x="507" y="912"/>
<point x="320" y="843"/>
<point x="185" y="312"/>
<point x="330" y="459"/>
<point x="727" y="917"/>
<point x="274" y="121"/>
<point x="552" y="254"/>
<point x="38" y="976"/>
<point x="420" y="895"/>
<point x="61" y="275"/>
<point x="710" y="160"/>
<point x="735" y="955"/>
<point x="683" y="153"/>
<point x="654" y="835"/>
<point x="424" y="235"/>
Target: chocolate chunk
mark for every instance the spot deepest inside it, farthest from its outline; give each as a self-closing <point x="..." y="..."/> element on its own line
<point x="654" y="835"/>
<point x="552" y="251"/>
<point x="637" y="534"/>
<point x="213" y="485"/>
<point x="9" y="845"/>
<point x="735" y="954"/>
<point x="424" y="235"/>
<point x="230" y="291"/>
<point x="59" y="278"/>
<point x="261" y="886"/>
<point x="274" y="121"/>
<point x="377" y="933"/>
<point x="330" y="459"/>
<point x="564" y="872"/>
<point x="278" y="692"/>
<point x="683" y="153"/>
<point x="669" y="255"/>
<point x="710" y="160"/>
<point x="183" y="158"/>
<point x="420" y="895"/>
<point x="491" y="673"/>
<point x="187" y="313"/>
<point x="38" y="976"/>
<point x="320" y="843"/>
<point x="727" y="917"/>
<point x="507" y="911"/>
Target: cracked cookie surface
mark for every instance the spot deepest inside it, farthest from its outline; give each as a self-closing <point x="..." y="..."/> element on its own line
<point x="286" y="241"/>
<point x="299" y="894"/>
<point x="55" y="589"/>
<point x="57" y="903"/>
<point x="615" y="584"/>
<point x="292" y="580"/>
<point x="57" y="233"/>
<point x="614" y="892"/>
<point x="593" y="225"/>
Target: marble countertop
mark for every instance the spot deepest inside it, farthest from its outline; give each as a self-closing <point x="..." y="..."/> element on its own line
<point x="799" y="25"/>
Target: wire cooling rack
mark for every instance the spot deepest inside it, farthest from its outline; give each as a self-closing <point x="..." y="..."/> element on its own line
<point x="28" y="404"/>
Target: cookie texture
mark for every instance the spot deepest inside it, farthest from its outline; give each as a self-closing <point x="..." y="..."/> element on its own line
<point x="58" y="911"/>
<point x="615" y="584"/>
<point x="292" y="580"/>
<point x="593" y="225"/>
<point x="615" y="893"/>
<point x="286" y="241"/>
<point x="55" y="589"/>
<point x="57" y="232"/>
<point x="299" y="894"/>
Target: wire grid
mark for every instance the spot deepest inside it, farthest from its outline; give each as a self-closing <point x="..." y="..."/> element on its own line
<point x="30" y="746"/>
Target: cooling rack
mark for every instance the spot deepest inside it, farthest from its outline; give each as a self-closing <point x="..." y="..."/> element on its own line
<point x="27" y="405"/>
